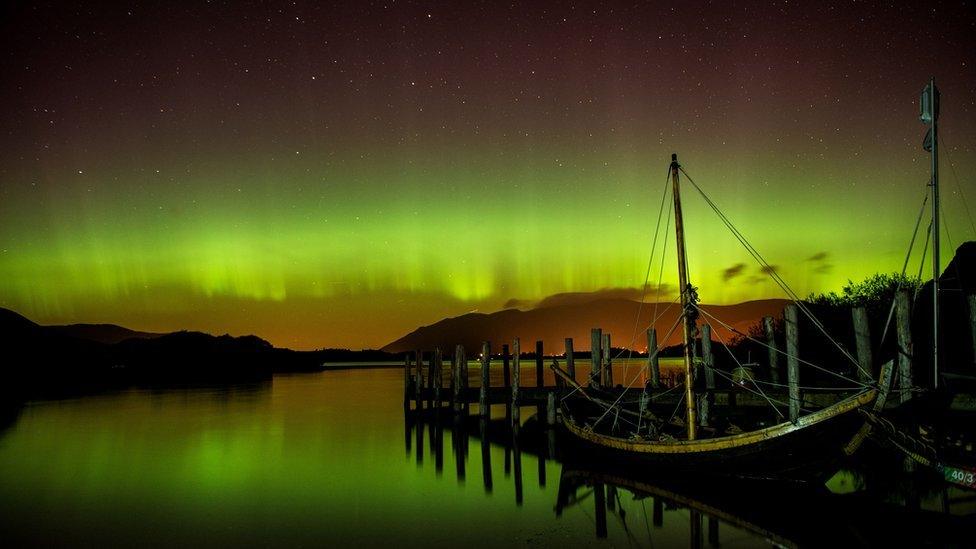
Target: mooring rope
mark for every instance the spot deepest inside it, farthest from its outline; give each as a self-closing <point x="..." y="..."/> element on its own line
<point x="904" y="266"/>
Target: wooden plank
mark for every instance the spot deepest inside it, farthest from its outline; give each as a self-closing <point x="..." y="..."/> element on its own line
<point x="605" y="355"/>
<point x="792" y="361"/>
<point x="862" y="337"/>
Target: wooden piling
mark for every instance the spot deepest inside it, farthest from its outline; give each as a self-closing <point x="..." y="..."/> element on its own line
<point x="570" y="361"/>
<point x="539" y="373"/>
<point x="772" y="349"/>
<point x="792" y="361"/>
<point x="516" y="379"/>
<point x="652" y="359"/>
<point x="600" y="502"/>
<point x="456" y="379"/>
<point x="708" y="363"/>
<point x="971" y="300"/>
<point x="463" y="367"/>
<point x="551" y="409"/>
<point x="430" y="381"/>
<point x="506" y="369"/>
<point x="419" y="382"/>
<point x="905" y="350"/>
<point x="862" y="336"/>
<point x="605" y="356"/>
<point x="708" y="360"/>
<point x="596" y="342"/>
<point x="438" y="361"/>
<point x="406" y="380"/>
<point x="483" y="407"/>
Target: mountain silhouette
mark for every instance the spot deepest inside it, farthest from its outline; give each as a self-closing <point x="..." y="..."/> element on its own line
<point x="102" y="333"/>
<point x="552" y="324"/>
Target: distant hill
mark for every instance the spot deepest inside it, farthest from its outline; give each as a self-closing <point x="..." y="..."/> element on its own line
<point x="43" y="359"/>
<point x="555" y="323"/>
<point x="102" y="333"/>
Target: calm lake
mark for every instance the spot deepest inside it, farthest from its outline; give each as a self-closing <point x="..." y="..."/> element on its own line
<point x="329" y="459"/>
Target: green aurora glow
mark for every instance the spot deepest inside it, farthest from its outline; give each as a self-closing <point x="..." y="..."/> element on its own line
<point x="328" y="217"/>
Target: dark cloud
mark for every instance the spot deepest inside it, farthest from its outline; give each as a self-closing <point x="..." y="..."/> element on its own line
<point x="518" y="304"/>
<point x="650" y="293"/>
<point x="733" y="271"/>
<point x="768" y="269"/>
<point x="820" y="262"/>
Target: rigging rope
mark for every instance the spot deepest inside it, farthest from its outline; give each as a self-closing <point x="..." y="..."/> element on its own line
<point x="726" y="347"/>
<point x="784" y="353"/>
<point x="772" y="273"/>
<point x="904" y="266"/>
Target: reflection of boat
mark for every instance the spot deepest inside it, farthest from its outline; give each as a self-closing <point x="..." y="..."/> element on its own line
<point x="785" y="515"/>
<point x="795" y="448"/>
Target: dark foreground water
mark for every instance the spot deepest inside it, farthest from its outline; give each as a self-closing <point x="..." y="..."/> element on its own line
<point x="330" y="459"/>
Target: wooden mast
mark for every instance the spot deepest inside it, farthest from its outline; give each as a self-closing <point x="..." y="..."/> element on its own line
<point x="684" y="288"/>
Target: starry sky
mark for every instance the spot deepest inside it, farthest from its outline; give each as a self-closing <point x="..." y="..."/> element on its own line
<point x="336" y="174"/>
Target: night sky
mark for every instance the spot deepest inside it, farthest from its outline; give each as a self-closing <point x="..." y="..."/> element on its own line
<point x="336" y="175"/>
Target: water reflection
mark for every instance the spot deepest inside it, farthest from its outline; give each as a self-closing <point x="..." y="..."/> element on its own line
<point x="646" y="508"/>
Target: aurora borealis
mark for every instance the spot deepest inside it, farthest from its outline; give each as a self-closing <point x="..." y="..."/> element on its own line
<point x="336" y="175"/>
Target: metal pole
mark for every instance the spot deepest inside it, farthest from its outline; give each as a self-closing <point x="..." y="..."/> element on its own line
<point x="690" y="403"/>
<point x="935" y="235"/>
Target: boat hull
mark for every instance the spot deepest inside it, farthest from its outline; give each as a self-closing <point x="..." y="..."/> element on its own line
<point x="807" y="450"/>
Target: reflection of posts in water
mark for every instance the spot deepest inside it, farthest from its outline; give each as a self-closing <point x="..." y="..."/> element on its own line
<point x="601" y="510"/>
<point x="485" y="455"/>
<point x="658" y="513"/>
<point x="612" y="498"/>
<point x="542" y="470"/>
<point x="460" y="438"/>
<point x="407" y="432"/>
<point x="517" y="460"/>
<point x="695" y="529"/>
<point x="420" y="438"/>
<point x="713" y="531"/>
<point x="508" y="461"/>
<point x="551" y="443"/>
<point x="437" y="434"/>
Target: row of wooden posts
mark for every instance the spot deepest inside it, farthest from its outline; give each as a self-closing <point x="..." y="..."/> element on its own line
<point x="601" y="367"/>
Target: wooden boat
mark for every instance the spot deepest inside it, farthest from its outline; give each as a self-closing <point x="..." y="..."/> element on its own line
<point x="797" y="449"/>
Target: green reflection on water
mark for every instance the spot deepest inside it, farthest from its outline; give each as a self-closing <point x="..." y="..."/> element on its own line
<point x="305" y="459"/>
